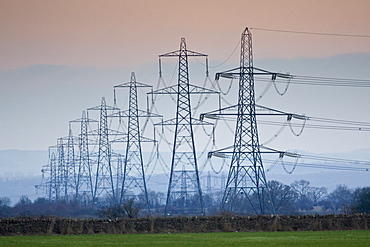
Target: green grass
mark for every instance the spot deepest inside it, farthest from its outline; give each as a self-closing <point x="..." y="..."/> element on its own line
<point x="265" y="239"/>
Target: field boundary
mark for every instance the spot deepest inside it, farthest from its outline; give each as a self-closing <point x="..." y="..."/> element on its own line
<point x="64" y="226"/>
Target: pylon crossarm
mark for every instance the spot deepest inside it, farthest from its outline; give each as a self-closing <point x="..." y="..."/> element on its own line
<point x="140" y="113"/>
<point x="227" y="73"/>
<point x="109" y="131"/>
<point x="235" y="73"/>
<point x="146" y="139"/>
<point x="218" y="114"/>
<point x="270" y="111"/>
<point x="72" y="139"/>
<point x="137" y="84"/>
<point x="192" y="90"/>
<point x="94" y="132"/>
<point x="274" y="74"/>
<point x="79" y="120"/>
<point x="178" y="53"/>
<point x="194" y="121"/>
<point x="220" y="152"/>
<point x="125" y="139"/>
<point x="199" y="122"/>
<point x="217" y="153"/>
<point x="166" y="90"/>
<point x="201" y="90"/>
<point x="98" y="108"/>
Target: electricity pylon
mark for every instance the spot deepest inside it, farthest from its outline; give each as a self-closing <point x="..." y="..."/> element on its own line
<point x="64" y="172"/>
<point x="70" y="168"/>
<point x="246" y="178"/>
<point x="184" y="194"/>
<point x="59" y="184"/>
<point x="134" y="182"/>
<point x="84" y="183"/>
<point x="61" y="169"/>
<point x="104" y="184"/>
<point x="50" y="183"/>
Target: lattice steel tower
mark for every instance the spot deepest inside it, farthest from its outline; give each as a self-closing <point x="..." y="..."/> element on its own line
<point x="104" y="184"/>
<point x="184" y="195"/>
<point x="84" y="183"/>
<point x="60" y="181"/>
<point x="52" y="187"/>
<point x="70" y="171"/>
<point x="134" y="182"/>
<point x="246" y="179"/>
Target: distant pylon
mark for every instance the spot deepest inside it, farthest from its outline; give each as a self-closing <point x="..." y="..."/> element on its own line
<point x="184" y="167"/>
<point x="70" y="166"/>
<point x="60" y="171"/>
<point x="84" y="183"/>
<point x="134" y="182"/>
<point x="104" y="184"/>
<point x="52" y="183"/>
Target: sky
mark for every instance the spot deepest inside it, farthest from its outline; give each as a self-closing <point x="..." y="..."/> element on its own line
<point x="60" y="57"/>
<point x="120" y="33"/>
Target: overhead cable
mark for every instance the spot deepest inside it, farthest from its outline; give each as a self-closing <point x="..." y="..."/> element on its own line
<point x="313" y="33"/>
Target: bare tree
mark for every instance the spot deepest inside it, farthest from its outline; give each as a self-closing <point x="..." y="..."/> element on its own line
<point x="131" y="208"/>
<point x="317" y="193"/>
<point x="4" y="201"/>
<point x="302" y="187"/>
<point x="282" y="197"/>
<point x="341" y="197"/>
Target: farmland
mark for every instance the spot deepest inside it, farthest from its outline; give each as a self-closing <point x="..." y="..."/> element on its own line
<point x="274" y="223"/>
<point x="302" y="238"/>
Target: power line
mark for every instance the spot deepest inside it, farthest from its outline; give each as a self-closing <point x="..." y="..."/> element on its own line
<point x="227" y="59"/>
<point x="314" y="33"/>
<point x="318" y="126"/>
<point x="323" y="166"/>
<point x="326" y="163"/>
<point x="323" y="81"/>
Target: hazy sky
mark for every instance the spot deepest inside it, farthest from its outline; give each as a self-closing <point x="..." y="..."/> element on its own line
<point x="116" y="33"/>
<point x="100" y="42"/>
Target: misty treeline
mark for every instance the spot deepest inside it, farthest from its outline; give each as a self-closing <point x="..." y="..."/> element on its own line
<point x="297" y="198"/>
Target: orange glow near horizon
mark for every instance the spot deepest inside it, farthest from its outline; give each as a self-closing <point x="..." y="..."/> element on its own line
<point x="120" y="33"/>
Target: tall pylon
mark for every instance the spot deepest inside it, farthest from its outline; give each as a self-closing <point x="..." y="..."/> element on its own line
<point x="246" y="181"/>
<point x="134" y="182"/>
<point x="184" y="167"/>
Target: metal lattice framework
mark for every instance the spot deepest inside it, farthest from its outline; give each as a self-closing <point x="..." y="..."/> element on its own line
<point x="84" y="183"/>
<point x="60" y="170"/>
<point x="184" y="194"/>
<point x="246" y="178"/>
<point x="134" y="183"/>
<point x="52" y="188"/>
<point x="70" y="168"/>
<point x="104" y="184"/>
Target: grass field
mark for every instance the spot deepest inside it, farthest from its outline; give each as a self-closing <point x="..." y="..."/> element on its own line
<point x="265" y="239"/>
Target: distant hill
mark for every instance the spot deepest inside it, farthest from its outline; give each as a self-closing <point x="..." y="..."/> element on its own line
<point x="16" y="187"/>
<point x="20" y="163"/>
